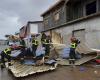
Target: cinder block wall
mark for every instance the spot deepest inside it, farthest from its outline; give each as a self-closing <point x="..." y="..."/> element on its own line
<point x="90" y="26"/>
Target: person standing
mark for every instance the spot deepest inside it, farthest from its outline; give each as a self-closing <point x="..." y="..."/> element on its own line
<point x="35" y="44"/>
<point x="73" y="45"/>
<point x="47" y="45"/>
<point x="22" y="48"/>
<point x="43" y="39"/>
<point x="22" y="42"/>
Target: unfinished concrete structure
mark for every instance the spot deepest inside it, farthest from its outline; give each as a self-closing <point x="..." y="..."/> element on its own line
<point x="35" y="26"/>
<point x="32" y="27"/>
<point x="74" y="17"/>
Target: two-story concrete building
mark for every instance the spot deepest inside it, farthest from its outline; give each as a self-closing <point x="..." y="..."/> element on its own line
<point x="32" y="27"/>
<point x="35" y="26"/>
<point x="80" y="18"/>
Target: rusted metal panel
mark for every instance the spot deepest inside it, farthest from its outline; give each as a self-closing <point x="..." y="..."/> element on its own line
<point x="22" y="70"/>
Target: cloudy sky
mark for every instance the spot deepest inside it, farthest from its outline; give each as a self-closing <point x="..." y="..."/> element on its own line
<point x="15" y="13"/>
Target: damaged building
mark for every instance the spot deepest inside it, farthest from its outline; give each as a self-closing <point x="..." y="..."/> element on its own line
<point x="80" y="18"/>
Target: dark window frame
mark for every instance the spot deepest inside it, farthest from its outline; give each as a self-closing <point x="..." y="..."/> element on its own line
<point x="54" y="14"/>
<point x="91" y="8"/>
<point x="76" y="31"/>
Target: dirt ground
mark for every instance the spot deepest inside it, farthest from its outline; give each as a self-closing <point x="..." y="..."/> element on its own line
<point x="84" y="72"/>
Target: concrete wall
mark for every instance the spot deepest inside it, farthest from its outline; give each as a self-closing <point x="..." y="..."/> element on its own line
<point x="68" y="12"/>
<point x="40" y="27"/>
<point x="98" y="2"/>
<point x="3" y="42"/>
<point x="33" y="28"/>
<point x="92" y="32"/>
<point x="50" y="17"/>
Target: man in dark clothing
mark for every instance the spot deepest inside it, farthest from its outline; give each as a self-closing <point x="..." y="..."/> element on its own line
<point x="74" y="43"/>
<point x="22" y="48"/>
<point x="6" y="54"/>
<point x="43" y="39"/>
<point x="35" y="44"/>
<point x="48" y="44"/>
<point x="22" y="42"/>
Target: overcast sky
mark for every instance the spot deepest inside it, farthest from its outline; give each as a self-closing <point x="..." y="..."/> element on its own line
<point x="15" y="13"/>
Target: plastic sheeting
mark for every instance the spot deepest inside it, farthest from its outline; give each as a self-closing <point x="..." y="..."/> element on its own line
<point x="32" y="62"/>
<point x="29" y="62"/>
<point x="50" y="62"/>
<point x="66" y="52"/>
<point x="15" y="53"/>
<point x="40" y="52"/>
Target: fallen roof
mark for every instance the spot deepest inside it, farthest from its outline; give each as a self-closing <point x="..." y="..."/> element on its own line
<point x="22" y="70"/>
<point x="78" y="62"/>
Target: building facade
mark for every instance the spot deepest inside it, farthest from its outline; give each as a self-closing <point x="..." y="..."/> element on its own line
<point x="80" y="18"/>
<point x="35" y="26"/>
<point x="22" y="33"/>
<point x="3" y="42"/>
<point x="32" y="27"/>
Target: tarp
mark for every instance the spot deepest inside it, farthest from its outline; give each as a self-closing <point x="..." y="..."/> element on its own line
<point x="98" y="57"/>
<point x="29" y="62"/>
<point x="32" y="62"/>
<point x="66" y="52"/>
<point x="15" y="53"/>
<point x="40" y="51"/>
<point x="50" y="62"/>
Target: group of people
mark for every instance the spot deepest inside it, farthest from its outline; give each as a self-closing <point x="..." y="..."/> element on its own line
<point x="45" y="41"/>
<point x="46" y="45"/>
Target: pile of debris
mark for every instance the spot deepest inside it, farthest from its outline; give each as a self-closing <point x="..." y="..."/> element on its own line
<point x="24" y="63"/>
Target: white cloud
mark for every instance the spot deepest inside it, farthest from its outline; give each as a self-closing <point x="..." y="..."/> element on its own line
<point x="8" y="24"/>
<point x="15" y="13"/>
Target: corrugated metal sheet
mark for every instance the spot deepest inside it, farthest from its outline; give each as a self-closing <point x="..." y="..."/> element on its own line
<point x="22" y="70"/>
<point x="77" y="62"/>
